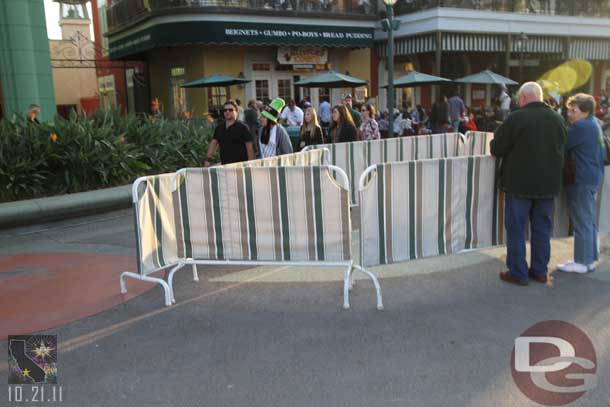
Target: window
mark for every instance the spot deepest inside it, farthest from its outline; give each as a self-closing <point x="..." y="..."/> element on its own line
<point x="177" y="71"/>
<point x="107" y="92"/>
<point x="284" y="89"/>
<point x="261" y="67"/>
<point x="261" y="87"/>
<point x="177" y="94"/>
<point x="324" y="92"/>
<point x="217" y="97"/>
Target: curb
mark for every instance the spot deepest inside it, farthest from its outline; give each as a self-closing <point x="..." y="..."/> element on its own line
<point x="31" y="211"/>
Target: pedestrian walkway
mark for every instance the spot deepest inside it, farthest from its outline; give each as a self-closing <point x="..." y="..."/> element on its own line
<point x="245" y="336"/>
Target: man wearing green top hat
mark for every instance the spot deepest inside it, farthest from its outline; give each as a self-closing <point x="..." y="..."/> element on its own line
<point x="273" y="139"/>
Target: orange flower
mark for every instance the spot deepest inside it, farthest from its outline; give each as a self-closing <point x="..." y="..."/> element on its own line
<point x="187" y="115"/>
<point x="53" y="137"/>
<point x="156" y="105"/>
<point x="151" y="117"/>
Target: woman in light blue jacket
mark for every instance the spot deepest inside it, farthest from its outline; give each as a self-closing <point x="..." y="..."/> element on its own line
<point x="585" y="147"/>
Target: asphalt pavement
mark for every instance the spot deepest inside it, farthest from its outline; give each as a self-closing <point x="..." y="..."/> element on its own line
<point x="278" y="336"/>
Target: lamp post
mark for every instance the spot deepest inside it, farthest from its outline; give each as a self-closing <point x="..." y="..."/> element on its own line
<point x="389" y="24"/>
<point x="521" y="40"/>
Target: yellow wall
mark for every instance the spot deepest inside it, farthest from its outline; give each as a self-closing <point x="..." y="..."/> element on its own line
<point x="198" y="61"/>
<point x="226" y="61"/>
<point x="357" y="62"/>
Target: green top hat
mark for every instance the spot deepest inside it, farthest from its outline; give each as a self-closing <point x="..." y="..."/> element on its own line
<point x="272" y="110"/>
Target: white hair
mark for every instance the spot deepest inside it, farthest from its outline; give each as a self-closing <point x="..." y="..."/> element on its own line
<point x="531" y="91"/>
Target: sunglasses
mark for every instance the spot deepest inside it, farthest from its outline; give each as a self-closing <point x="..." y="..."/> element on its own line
<point x="228" y="110"/>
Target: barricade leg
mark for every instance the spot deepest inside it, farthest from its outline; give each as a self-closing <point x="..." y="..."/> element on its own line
<point x="170" y="280"/>
<point x="377" y="286"/>
<point x="346" y="286"/>
<point x="166" y="288"/>
<point x="195" y="275"/>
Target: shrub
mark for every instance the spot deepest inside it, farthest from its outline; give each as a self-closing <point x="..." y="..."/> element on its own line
<point x="85" y="153"/>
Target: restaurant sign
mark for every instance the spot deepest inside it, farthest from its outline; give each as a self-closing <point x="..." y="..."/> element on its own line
<point x="302" y="55"/>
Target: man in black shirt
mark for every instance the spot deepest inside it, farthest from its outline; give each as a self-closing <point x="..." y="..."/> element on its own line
<point x="233" y="137"/>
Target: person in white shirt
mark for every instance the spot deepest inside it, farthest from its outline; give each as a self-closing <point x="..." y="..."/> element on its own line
<point x="504" y="103"/>
<point x="292" y="115"/>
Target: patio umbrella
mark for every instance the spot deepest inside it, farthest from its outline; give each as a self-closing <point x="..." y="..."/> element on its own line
<point x="330" y="79"/>
<point x="213" y="81"/>
<point x="414" y="78"/>
<point x="486" y="77"/>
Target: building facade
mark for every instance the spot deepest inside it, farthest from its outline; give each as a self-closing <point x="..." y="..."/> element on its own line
<point x="522" y="39"/>
<point x="272" y="42"/>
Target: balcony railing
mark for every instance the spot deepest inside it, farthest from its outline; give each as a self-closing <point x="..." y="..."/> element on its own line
<point x="581" y="8"/>
<point x="126" y="12"/>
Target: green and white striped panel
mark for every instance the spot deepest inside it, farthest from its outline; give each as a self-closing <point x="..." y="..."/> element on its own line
<point x="157" y="224"/>
<point x="425" y="208"/>
<point x="477" y="143"/>
<point x="355" y="157"/>
<point x="266" y="214"/>
<point x="301" y="159"/>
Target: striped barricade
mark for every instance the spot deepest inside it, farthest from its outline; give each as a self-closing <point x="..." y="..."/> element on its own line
<point x="319" y="156"/>
<point x="416" y="209"/>
<point x="477" y="143"/>
<point x="355" y="157"/>
<point x="243" y="216"/>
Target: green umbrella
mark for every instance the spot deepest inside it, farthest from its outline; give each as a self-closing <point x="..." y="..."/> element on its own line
<point x="487" y="77"/>
<point x="414" y="78"/>
<point x="213" y="81"/>
<point x="330" y="79"/>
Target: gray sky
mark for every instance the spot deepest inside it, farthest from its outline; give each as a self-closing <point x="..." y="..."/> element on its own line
<point x="51" y="10"/>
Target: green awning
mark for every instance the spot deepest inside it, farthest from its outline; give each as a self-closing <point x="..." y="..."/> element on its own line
<point x="486" y="77"/>
<point x="238" y="33"/>
<point x="330" y="79"/>
<point x="215" y="81"/>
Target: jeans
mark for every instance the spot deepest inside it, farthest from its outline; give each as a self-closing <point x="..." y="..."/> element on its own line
<point x="581" y="199"/>
<point x="517" y="213"/>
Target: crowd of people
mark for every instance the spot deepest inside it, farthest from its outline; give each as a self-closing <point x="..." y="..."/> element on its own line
<point x="537" y="151"/>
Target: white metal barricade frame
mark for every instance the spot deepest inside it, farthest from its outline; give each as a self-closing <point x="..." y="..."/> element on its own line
<point x="175" y="267"/>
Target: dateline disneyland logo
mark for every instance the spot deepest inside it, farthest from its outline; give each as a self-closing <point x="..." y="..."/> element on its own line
<point x="554" y="363"/>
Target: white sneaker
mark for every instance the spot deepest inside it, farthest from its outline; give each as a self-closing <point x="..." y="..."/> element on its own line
<point x="591" y="267"/>
<point x="572" y="268"/>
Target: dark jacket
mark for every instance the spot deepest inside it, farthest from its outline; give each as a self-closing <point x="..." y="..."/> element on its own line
<point x="311" y="139"/>
<point x="345" y="133"/>
<point x="531" y="143"/>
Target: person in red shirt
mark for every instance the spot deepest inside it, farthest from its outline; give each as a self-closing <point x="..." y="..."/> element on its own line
<point x="468" y="124"/>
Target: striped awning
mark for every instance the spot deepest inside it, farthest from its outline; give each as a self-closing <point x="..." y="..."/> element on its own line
<point x="592" y="49"/>
<point x="473" y="42"/>
<point x="465" y="42"/>
<point x="409" y="46"/>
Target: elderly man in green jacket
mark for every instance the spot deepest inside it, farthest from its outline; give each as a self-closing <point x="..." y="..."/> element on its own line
<point x="530" y="144"/>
